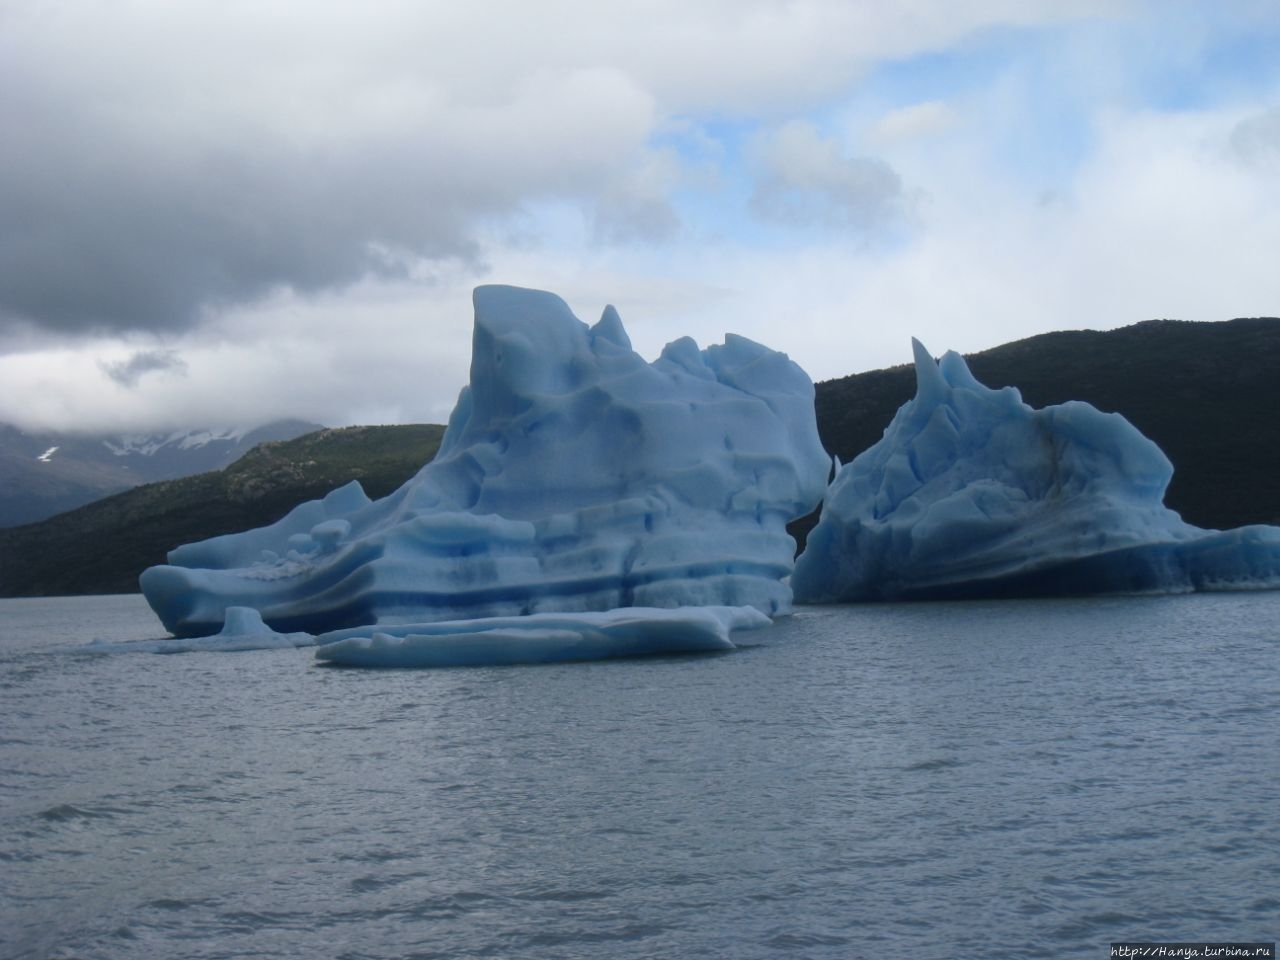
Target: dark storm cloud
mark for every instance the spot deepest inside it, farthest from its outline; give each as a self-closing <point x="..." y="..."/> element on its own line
<point x="127" y="373"/>
<point x="182" y="160"/>
<point x="107" y="228"/>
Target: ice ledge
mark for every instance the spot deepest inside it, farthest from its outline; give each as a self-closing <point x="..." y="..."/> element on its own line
<point x="541" y="638"/>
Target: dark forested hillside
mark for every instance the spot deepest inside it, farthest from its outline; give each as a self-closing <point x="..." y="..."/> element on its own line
<point x="102" y="547"/>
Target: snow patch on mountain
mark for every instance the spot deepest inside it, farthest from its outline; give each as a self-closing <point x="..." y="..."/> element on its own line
<point x="147" y="445"/>
<point x="43" y="474"/>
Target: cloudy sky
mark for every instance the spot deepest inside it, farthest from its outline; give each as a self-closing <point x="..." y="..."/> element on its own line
<point x="227" y="211"/>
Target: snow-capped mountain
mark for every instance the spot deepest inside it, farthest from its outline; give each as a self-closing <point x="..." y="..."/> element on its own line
<point x="42" y="474"/>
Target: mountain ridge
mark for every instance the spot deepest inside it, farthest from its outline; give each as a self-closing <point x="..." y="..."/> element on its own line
<point x="43" y="474"/>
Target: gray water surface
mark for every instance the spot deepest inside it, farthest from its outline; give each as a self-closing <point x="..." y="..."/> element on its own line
<point x="1012" y="779"/>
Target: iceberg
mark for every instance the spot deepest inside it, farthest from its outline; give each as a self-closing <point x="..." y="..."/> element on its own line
<point x="573" y="477"/>
<point x="541" y="638"/>
<point x="972" y="493"/>
<point x="242" y="630"/>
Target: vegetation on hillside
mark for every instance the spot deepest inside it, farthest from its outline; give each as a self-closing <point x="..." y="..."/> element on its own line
<point x="103" y="546"/>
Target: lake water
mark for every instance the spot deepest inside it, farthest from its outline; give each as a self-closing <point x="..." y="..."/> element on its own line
<point x="1014" y="779"/>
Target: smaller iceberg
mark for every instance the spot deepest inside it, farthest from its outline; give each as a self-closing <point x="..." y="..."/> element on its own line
<point x="242" y="630"/>
<point x="972" y="493"/>
<point x="541" y="638"/>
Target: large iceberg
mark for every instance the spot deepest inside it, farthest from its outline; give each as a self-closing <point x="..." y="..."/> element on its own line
<point x="972" y="493"/>
<point x="573" y="477"/>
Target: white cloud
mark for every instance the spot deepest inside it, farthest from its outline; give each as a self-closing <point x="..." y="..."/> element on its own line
<point x="1162" y="221"/>
<point x="636" y="207"/>
<point x="920" y="120"/>
<point x="383" y="352"/>
<point x="805" y="179"/>
<point x="1256" y="139"/>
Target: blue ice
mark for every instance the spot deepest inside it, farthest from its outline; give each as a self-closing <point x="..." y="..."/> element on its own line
<point x="573" y="477"/>
<point x="243" y="629"/>
<point x="972" y="493"/>
<point x="541" y="637"/>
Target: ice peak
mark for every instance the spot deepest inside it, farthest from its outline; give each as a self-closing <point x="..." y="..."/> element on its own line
<point x="610" y="329"/>
<point x="931" y="386"/>
<point x="956" y="372"/>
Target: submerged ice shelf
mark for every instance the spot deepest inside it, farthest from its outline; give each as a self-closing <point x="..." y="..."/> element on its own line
<point x="243" y="630"/>
<point x="541" y="638"/>
<point x="483" y="641"/>
<point x="972" y="493"/>
<point x="573" y="477"/>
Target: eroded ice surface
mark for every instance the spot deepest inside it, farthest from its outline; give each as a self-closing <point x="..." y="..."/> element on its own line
<point x="242" y="630"/>
<point x="573" y="476"/>
<point x="971" y="493"/>
<point x="541" y="638"/>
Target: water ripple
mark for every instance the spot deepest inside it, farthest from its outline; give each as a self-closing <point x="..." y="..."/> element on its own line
<point x="922" y="781"/>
